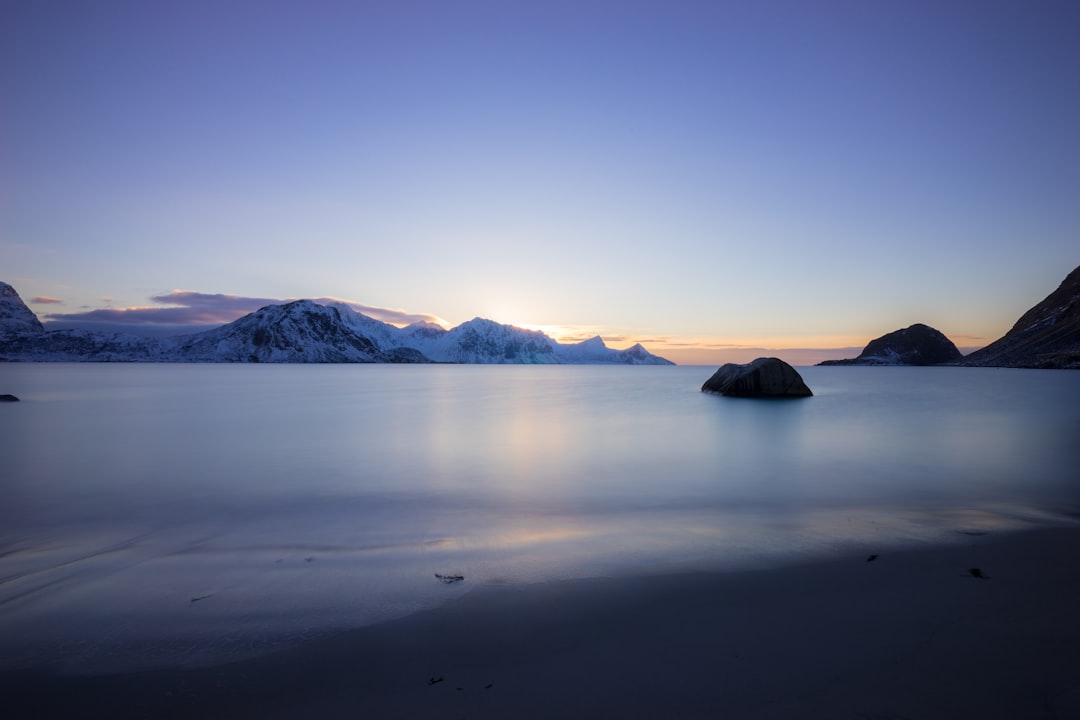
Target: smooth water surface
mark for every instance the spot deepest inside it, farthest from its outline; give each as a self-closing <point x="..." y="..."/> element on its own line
<point x="176" y="514"/>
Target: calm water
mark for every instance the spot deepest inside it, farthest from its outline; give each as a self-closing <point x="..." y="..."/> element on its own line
<point x="164" y="514"/>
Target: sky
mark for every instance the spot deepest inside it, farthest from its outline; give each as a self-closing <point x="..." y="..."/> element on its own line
<point x="711" y="179"/>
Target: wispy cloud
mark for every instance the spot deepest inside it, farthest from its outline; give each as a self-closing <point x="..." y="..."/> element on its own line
<point x="46" y="300"/>
<point x="187" y="311"/>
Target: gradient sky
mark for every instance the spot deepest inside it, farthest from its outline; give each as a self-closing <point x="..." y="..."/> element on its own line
<point x="687" y="174"/>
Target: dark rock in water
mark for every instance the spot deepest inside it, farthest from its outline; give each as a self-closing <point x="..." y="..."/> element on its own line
<point x="915" y="345"/>
<point x="8" y="398"/>
<point x="764" y="377"/>
<point x="1046" y="336"/>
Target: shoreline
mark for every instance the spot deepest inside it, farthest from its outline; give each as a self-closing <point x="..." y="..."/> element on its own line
<point x="912" y="633"/>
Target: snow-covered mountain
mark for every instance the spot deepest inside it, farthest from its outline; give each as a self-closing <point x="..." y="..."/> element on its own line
<point x="22" y="337"/>
<point x="488" y="342"/>
<point x="15" y="317"/>
<point x="305" y="332"/>
<point x="296" y="332"/>
<point x="594" y="350"/>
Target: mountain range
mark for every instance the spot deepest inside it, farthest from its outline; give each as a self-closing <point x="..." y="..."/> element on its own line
<point x="1046" y="336"/>
<point x="304" y="331"/>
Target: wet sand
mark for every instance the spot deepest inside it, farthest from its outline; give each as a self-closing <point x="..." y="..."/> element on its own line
<point x="911" y="634"/>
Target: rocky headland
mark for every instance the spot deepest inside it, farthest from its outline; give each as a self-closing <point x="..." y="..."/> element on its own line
<point x="1046" y="336"/>
<point x="917" y="344"/>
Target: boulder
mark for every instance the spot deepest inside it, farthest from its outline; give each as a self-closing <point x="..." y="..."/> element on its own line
<point x="764" y="377"/>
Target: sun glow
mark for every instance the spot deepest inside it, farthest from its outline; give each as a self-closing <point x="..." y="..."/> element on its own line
<point x="712" y="350"/>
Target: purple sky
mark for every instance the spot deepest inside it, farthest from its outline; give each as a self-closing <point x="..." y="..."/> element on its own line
<point x="709" y="175"/>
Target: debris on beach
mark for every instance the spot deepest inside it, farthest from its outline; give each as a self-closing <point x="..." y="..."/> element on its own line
<point x="435" y="680"/>
<point x="977" y="573"/>
<point x="449" y="579"/>
<point x="872" y="558"/>
<point x="201" y="597"/>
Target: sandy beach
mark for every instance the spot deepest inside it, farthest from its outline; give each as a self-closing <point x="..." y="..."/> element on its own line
<point x="910" y="634"/>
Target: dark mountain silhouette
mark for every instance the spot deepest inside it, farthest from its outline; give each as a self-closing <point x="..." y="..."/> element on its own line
<point x="915" y="345"/>
<point x="1046" y="336"/>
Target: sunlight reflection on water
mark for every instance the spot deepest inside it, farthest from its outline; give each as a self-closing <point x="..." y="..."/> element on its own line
<point x="146" y="505"/>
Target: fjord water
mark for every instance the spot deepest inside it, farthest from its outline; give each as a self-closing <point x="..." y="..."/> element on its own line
<point x="159" y="515"/>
